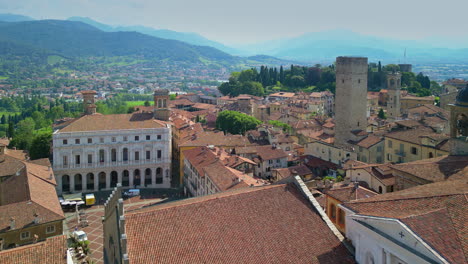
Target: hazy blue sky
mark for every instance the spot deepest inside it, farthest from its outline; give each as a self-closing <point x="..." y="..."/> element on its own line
<point x="247" y="21"/>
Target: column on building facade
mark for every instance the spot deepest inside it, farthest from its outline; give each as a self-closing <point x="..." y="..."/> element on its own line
<point x="153" y="177"/>
<point x="84" y="183"/>
<point x="130" y="178"/>
<point x="72" y="183"/>
<point x="96" y="181"/>
<point x="119" y="177"/>
<point x="59" y="183"/>
<point x="108" y="182"/>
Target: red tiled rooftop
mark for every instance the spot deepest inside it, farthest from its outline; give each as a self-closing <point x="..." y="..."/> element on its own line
<point x="273" y="224"/>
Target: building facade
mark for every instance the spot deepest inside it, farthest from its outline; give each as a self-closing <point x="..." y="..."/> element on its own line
<point x="95" y="152"/>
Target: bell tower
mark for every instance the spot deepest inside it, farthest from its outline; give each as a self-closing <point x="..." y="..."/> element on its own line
<point x="89" y="107"/>
<point x="161" y="104"/>
<point x="393" y="88"/>
<point x="459" y="124"/>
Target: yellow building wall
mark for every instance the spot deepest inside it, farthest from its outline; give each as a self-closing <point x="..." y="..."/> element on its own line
<point x="338" y="218"/>
<point x="14" y="236"/>
<point x="422" y="151"/>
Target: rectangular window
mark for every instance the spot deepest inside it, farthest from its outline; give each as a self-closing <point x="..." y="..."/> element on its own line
<point x="148" y="137"/>
<point x="113" y="139"/>
<point x="159" y="154"/>
<point x="65" y="142"/>
<point x="125" y="138"/>
<point x="390" y="144"/>
<point x="277" y="161"/>
<point x="414" y="151"/>
<point x="50" y="229"/>
<point x="389" y="157"/>
<point x="77" y="141"/>
<point x="137" y="155"/>
<point x="270" y="161"/>
<point x="25" y="235"/>
<point x="159" y="137"/>
<point x="137" y="138"/>
<point x="101" y="140"/>
<point x="65" y="160"/>
<point x="341" y="217"/>
<point x="90" y="158"/>
<point x="148" y="154"/>
<point x="90" y="140"/>
<point x="77" y="159"/>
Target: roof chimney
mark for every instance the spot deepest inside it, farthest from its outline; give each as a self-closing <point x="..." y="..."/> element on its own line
<point x="36" y="218"/>
<point x="12" y="223"/>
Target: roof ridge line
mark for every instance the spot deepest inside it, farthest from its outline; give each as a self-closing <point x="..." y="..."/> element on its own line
<point x="198" y="200"/>
<point x="410" y="198"/>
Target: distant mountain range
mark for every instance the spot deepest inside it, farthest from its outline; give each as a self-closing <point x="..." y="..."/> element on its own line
<point x="77" y="39"/>
<point x="327" y="45"/>
<point x="191" y="38"/>
<point x="309" y="48"/>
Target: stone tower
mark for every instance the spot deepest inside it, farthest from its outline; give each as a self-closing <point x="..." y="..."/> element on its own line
<point x="161" y="104"/>
<point x="89" y="107"/>
<point x="459" y="124"/>
<point x="393" y="89"/>
<point x="351" y="98"/>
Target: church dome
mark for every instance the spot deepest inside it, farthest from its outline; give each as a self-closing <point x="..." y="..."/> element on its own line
<point x="462" y="97"/>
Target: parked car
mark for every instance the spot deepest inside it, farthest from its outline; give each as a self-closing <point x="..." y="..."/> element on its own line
<point x="80" y="235"/>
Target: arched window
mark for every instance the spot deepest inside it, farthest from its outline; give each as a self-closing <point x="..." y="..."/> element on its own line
<point x="90" y="181"/>
<point x="164" y="103"/>
<point x="114" y="178"/>
<point x="125" y="178"/>
<point x="78" y="182"/>
<point x="125" y="154"/>
<point x="65" y="183"/>
<point x="102" y="180"/>
<point x="136" y="177"/>
<point x="148" y="177"/>
<point x="159" y="176"/>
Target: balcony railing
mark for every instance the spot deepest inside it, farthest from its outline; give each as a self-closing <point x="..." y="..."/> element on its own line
<point x="111" y="164"/>
<point x="400" y="153"/>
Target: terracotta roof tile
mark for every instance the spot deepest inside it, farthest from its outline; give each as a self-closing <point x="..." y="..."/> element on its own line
<point x="273" y="224"/>
<point x="99" y="122"/>
<point x="436" y="169"/>
<point x="436" y="212"/>
<point x="369" y="141"/>
<point x="350" y="193"/>
<point x="51" y="251"/>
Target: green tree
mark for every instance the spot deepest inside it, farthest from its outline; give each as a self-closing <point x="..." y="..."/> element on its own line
<point x="11" y="130"/>
<point x="40" y="146"/>
<point x="24" y="134"/>
<point x="381" y="114"/>
<point x="147" y="103"/>
<point x="235" y="122"/>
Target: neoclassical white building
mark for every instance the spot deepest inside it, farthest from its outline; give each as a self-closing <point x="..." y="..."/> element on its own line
<point x="95" y="152"/>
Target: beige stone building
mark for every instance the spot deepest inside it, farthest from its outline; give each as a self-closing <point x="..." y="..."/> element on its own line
<point x="410" y="101"/>
<point x="95" y="152"/>
<point x="29" y="207"/>
<point x="415" y="144"/>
